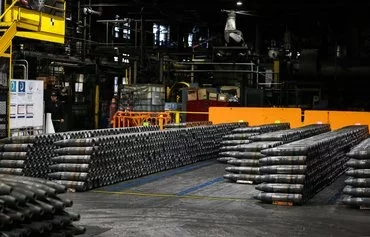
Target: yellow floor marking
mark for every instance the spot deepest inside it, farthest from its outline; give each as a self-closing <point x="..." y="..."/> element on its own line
<point x="174" y="196"/>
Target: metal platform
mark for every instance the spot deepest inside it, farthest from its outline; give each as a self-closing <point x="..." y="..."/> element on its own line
<point x="196" y="201"/>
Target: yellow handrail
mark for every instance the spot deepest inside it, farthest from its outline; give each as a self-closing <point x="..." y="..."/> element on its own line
<point x="54" y="8"/>
<point x="10" y="7"/>
<point x="186" y="112"/>
<point x="177" y="114"/>
<point x="7" y="37"/>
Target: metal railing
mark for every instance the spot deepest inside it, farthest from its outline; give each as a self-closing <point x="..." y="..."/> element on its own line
<point x="8" y="9"/>
<point x="178" y="113"/>
<point x="133" y="119"/>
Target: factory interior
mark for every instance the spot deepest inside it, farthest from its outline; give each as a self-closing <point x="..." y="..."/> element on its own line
<point x="184" y="118"/>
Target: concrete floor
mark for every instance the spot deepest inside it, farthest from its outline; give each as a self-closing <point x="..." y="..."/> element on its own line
<point x="196" y="201"/>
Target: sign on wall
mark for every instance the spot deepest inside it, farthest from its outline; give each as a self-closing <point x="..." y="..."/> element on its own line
<point x="26" y="103"/>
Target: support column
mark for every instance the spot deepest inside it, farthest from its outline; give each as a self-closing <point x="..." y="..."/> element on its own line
<point x="97" y="102"/>
<point x="258" y="38"/>
<point x="10" y="77"/>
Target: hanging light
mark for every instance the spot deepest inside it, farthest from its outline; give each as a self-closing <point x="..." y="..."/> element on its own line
<point x="239" y="3"/>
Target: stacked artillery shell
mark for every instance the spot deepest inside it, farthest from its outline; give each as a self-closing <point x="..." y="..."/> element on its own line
<point x="294" y="134"/>
<point x="187" y="124"/>
<point x="357" y="190"/>
<point x="31" y="155"/>
<point x="84" y="164"/>
<point x="33" y="207"/>
<point x="246" y="164"/>
<point x="241" y="136"/>
<point x="296" y="171"/>
<point x="247" y="167"/>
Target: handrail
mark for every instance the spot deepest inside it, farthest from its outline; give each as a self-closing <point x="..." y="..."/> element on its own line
<point x="186" y="112"/>
<point x="8" y="9"/>
<point x="124" y="119"/>
<point x="6" y="38"/>
<point x="54" y="8"/>
<point x="16" y="1"/>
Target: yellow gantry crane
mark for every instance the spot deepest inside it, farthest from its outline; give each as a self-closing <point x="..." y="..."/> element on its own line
<point x="20" y="19"/>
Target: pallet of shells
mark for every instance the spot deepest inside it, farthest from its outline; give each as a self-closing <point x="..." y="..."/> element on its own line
<point x="357" y="190"/>
<point x="246" y="167"/>
<point x="31" y="155"/>
<point x="240" y="136"/>
<point x="84" y="164"/>
<point x="294" y="172"/>
<point x="33" y="207"/>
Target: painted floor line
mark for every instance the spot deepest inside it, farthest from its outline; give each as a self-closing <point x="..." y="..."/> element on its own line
<point x="334" y="199"/>
<point x="145" y="180"/>
<point x="200" y="186"/>
<point x="162" y="195"/>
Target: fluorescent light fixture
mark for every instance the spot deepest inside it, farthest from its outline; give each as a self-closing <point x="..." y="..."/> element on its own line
<point x="239" y="3"/>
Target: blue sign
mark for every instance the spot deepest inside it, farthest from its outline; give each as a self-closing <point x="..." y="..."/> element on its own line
<point x="171" y="106"/>
<point x="21" y="86"/>
<point x="13" y="86"/>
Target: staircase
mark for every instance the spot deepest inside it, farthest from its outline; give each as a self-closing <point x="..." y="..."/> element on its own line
<point x="10" y="30"/>
<point x="7" y="37"/>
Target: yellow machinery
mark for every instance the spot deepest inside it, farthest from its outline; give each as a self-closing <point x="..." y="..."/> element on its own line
<point x="18" y="20"/>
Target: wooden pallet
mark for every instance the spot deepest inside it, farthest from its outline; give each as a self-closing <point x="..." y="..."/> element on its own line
<point x="282" y="203"/>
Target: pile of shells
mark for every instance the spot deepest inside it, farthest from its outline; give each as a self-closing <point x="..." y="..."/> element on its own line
<point x="84" y="164"/>
<point x="241" y="136"/>
<point x="247" y="168"/>
<point x="32" y="207"/>
<point x="31" y="155"/>
<point x="357" y="190"/>
<point x="296" y="171"/>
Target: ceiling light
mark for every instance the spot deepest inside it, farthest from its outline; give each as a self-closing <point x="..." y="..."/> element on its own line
<point x="239" y="3"/>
